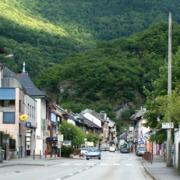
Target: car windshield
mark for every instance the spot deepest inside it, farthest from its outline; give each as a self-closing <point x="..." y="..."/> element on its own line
<point x="93" y="150"/>
<point x="141" y="148"/>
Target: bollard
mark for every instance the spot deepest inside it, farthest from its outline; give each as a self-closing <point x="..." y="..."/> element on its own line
<point x="33" y="154"/>
<point x="45" y="153"/>
<point x="40" y="154"/>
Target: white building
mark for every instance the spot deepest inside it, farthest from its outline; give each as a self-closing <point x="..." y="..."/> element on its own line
<point x="30" y="106"/>
<point x="41" y="130"/>
<point x="139" y="126"/>
<point x="177" y="149"/>
<point x="41" y="112"/>
<point x="89" y="114"/>
<point x="12" y="130"/>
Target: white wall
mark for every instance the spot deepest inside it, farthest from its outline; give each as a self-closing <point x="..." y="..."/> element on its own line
<point x="92" y="118"/>
<point x="177" y="141"/>
<point x="41" y="126"/>
<point x="30" y="109"/>
<point x="142" y="130"/>
<point x="70" y="121"/>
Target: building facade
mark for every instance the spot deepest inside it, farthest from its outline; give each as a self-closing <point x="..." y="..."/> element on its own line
<point x="12" y="130"/>
<point x="177" y="149"/>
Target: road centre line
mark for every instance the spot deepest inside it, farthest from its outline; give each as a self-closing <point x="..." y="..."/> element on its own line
<point x="103" y="164"/>
<point x="116" y="164"/>
<point x="128" y="164"/>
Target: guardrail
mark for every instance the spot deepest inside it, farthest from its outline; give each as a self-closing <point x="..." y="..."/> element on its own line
<point x="148" y="157"/>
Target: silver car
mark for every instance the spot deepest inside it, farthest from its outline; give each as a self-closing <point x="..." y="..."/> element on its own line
<point x="93" y="153"/>
<point x="83" y="151"/>
<point x="140" y="151"/>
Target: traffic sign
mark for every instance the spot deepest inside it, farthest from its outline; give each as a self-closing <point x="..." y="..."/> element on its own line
<point x="168" y="125"/>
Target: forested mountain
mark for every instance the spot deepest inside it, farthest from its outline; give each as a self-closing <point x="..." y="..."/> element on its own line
<point x="112" y="75"/>
<point x="46" y="31"/>
<point x="84" y="51"/>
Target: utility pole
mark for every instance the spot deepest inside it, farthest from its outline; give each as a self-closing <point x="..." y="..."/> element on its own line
<point x="169" y="131"/>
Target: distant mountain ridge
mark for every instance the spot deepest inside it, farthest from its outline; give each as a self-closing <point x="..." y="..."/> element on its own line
<point x="48" y="31"/>
<point x="82" y="52"/>
<point x="113" y="75"/>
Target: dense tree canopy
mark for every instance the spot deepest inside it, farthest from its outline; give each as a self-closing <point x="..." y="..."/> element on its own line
<point x="159" y="104"/>
<point x="47" y="31"/>
<point x="111" y="75"/>
<point x="83" y="52"/>
<point x="72" y="133"/>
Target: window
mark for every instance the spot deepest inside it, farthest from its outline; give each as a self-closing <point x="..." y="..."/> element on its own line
<point x="8" y="117"/>
<point x="7" y="103"/>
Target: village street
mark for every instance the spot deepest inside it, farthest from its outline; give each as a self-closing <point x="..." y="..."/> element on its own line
<point x="111" y="166"/>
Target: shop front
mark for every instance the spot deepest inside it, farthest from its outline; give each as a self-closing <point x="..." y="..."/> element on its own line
<point x="51" y="149"/>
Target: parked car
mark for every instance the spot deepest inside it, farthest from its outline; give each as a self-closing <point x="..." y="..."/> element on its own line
<point x="140" y="151"/>
<point x="124" y="149"/>
<point x="83" y="151"/>
<point x="112" y="148"/>
<point x="93" y="153"/>
<point x="104" y="147"/>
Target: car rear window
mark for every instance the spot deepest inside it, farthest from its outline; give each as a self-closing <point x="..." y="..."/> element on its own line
<point x="141" y="148"/>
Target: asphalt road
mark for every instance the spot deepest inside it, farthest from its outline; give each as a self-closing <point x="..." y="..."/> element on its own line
<point x="112" y="166"/>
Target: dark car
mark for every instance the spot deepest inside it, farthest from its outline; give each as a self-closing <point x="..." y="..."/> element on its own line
<point x="124" y="149"/>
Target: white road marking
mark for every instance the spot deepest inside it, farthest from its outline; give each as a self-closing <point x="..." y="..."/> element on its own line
<point x="103" y="164"/>
<point x="116" y="164"/>
<point x="128" y="164"/>
<point x="65" y="164"/>
<point x="90" y="164"/>
<point x="77" y="164"/>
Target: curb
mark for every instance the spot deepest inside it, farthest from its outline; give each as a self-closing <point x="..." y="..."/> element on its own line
<point x="148" y="171"/>
<point x="22" y="164"/>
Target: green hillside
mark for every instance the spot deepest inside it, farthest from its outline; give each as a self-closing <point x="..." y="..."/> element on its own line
<point x="113" y="74"/>
<point x="48" y="31"/>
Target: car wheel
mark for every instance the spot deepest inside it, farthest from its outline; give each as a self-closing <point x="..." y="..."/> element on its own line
<point x="87" y="158"/>
<point x="99" y="158"/>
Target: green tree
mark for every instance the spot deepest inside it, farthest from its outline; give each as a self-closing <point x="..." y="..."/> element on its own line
<point x="72" y="133"/>
<point x="93" y="138"/>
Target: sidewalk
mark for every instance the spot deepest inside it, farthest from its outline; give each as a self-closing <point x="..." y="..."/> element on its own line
<point x="159" y="171"/>
<point x="32" y="162"/>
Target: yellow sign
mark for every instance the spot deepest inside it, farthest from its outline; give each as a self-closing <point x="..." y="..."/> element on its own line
<point x="23" y="117"/>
